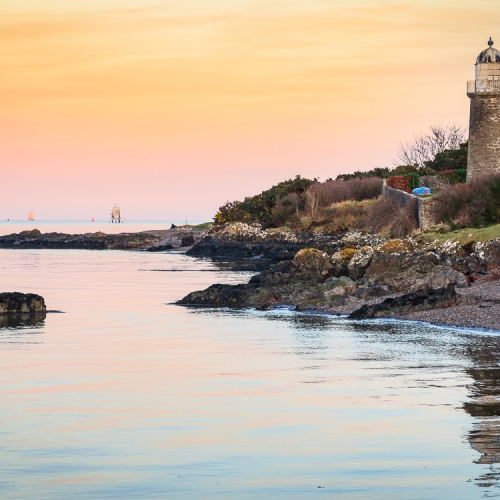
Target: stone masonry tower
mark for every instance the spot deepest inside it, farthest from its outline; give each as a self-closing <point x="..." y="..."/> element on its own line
<point x="484" y="123"/>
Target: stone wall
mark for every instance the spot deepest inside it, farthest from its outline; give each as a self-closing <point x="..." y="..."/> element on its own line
<point x="433" y="182"/>
<point x="484" y="135"/>
<point x="425" y="216"/>
<point x="423" y="206"/>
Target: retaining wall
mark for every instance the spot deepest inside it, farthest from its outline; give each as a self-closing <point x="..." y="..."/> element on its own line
<point x="422" y="207"/>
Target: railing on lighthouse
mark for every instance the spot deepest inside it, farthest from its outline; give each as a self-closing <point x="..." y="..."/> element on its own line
<point x="484" y="86"/>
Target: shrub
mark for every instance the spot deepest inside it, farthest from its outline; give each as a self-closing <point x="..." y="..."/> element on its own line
<point x="380" y="172"/>
<point x="453" y="176"/>
<point x="262" y="207"/>
<point x="399" y="182"/>
<point x="476" y="204"/>
<point x="414" y="180"/>
<point x="450" y="159"/>
<point x="388" y="216"/>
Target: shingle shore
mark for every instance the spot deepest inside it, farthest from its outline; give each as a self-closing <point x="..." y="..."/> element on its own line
<point x="484" y="315"/>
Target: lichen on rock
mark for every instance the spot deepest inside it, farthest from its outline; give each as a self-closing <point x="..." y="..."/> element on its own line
<point x="360" y="262"/>
<point x="312" y="259"/>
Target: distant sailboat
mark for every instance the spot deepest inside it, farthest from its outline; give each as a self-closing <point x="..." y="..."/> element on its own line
<point x="92" y="219"/>
<point x="31" y="216"/>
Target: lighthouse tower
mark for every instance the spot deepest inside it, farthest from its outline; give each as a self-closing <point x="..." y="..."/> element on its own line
<point x="484" y="123"/>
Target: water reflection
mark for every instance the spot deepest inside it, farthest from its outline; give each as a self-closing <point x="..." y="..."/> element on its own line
<point x="21" y="320"/>
<point x="21" y="330"/>
<point x="445" y="360"/>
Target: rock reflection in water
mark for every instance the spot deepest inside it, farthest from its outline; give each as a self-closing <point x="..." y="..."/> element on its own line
<point x="21" y="320"/>
<point x="21" y="329"/>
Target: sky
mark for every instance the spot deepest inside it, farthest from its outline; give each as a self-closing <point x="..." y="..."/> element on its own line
<point x="170" y="109"/>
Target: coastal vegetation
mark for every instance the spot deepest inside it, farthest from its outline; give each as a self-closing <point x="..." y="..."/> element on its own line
<point x="354" y="202"/>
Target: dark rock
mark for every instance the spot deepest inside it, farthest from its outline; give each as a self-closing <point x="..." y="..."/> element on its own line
<point x="264" y="307"/>
<point x="245" y="241"/>
<point x="187" y="240"/>
<point x="160" y="248"/>
<point x="220" y="296"/>
<point x="421" y="300"/>
<point x="21" y="303"/>
<point x="370" y="292"/>
<point x="90" y="241"/>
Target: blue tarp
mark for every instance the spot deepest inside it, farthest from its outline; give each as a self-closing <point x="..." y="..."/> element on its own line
<point x="422" y="190"/>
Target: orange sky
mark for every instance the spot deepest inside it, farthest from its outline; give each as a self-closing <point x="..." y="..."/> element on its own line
<point x="171" y="108"/>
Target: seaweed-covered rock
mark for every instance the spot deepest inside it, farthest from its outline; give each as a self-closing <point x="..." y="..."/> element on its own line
<point x="21" y="303"/>
<point x="221" y="296"/>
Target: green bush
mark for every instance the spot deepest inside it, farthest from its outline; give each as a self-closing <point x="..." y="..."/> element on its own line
<point x="454" y="176"/>
<point x="260" y="208"/>
<point x="450" y="159"/>
<point x="414" y="180"/>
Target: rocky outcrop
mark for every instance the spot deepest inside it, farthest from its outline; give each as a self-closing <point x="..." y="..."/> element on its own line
<point x="221" y="296"/>
<point x="243" y="241"/>
<point x="89" y="241"/>
<point x="360" y="262"/>
<point x="21" y="303"/>
<point x="339" y="274"/>
<point x="421" y="300"/>
<point x="312" y="259"/>
<point x="146" y="240"/>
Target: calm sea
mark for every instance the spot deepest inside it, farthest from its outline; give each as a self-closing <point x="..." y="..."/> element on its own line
<point x="127" y="396"/>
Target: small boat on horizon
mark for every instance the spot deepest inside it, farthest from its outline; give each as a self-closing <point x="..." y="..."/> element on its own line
<point x="31" y="216"/>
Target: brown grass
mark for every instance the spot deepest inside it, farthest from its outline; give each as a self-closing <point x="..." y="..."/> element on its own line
<point x="320" y="198"/>
<point x="388" y="216"/>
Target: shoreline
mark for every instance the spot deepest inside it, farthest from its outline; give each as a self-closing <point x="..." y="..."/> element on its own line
<point x="365" y="275"/>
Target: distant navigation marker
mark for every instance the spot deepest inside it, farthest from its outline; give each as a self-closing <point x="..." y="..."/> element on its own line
<point x="115" y="215"/>
<point x="31" y="216"/>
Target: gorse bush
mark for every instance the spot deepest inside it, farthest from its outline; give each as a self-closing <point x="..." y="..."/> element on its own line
<point x="450" y="159"/>
<point x="453" y="176"/>
<point x="476" y="204"/>
<point x="261" y="207"/>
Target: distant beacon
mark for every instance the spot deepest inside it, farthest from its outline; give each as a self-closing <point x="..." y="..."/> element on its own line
<point x="115" y="214"/>
<point x="484" y="124"/>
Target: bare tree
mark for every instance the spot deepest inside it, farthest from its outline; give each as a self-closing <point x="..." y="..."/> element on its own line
<point x="425" y="147"/>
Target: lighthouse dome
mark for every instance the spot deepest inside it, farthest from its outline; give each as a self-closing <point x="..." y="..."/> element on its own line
<point x="489" y="55"/>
